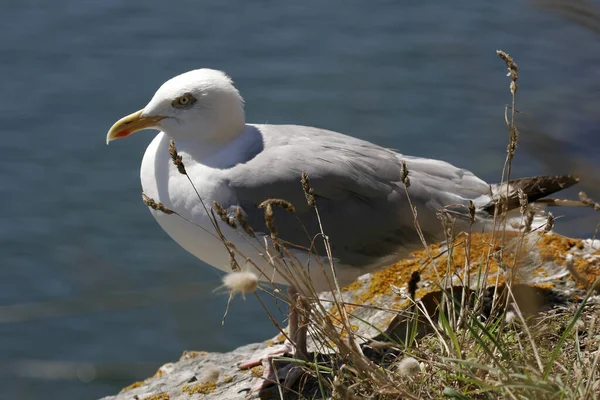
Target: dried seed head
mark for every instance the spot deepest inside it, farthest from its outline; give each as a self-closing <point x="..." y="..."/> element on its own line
<point x="269" y="218"/>
<point x="309" y="193"/>
<point x="222" y="213"/>
<point x="241" y="282"/>
<point x="243" y="221"/>
<point x="549" y="223"/>
<point x="233" y="264"/>
<point x="177" y="160"/>
<point x="448" y="223"/>
<point x="587" y="201"/>
<point x="511" y="149"/>
<point x="513" y="69"/>
<point x="522" y="200"/>
<point x="415" y="278"/>
<point x="529" y="216"/>
<point x="404" y="174"/>
<point x="155" y="205"/>
<point x="471" y="212"/>
<point x="409" y="367"/>
<point x="286" y="205"/>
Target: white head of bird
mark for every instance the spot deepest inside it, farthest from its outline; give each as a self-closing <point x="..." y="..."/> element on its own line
<point x="200" y="105"/>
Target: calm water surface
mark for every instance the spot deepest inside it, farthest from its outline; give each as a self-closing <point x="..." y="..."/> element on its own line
<point x="93" y="295"/>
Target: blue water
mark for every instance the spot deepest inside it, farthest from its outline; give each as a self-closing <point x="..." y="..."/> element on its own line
<point x="89" y="280"/>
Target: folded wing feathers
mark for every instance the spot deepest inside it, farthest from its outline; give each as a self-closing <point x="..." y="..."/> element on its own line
<point x="534" y="188"/>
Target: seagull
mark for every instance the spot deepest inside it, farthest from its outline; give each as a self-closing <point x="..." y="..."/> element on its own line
<point x="361" y="195"/>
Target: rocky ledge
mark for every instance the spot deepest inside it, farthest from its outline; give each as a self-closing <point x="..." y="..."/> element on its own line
<point x="552" y="269"/>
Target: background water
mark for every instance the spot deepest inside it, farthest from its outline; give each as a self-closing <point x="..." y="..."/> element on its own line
<point x="93" y="295"/>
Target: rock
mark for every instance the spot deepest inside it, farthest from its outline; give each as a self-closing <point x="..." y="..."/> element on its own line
<point x="194" y="373"/>
<point x="551" y="269"/>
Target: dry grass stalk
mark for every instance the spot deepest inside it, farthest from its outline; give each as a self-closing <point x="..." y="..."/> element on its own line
<point x="588" y="202"/>
<point x="472" y="212"/>
<point x="404" y="174"/>
<point x="522" y="201"/>
<point x="513" y="69"/>
<point x="270" y="217"/>
<point x="243" y="221"/>
<point x="222" y="213"/>
<point x="284" y="204"/>
<point x="150" y="202"/>
<point x="549" y="223"/>
<point x="308" y="191"/>
<point x="529" y="216"/>
<point x="176" y="158"/>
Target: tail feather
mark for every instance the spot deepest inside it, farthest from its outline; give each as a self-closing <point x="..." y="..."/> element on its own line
<point x="534" y="188"/>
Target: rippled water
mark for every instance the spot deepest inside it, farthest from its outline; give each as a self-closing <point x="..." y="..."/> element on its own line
<point x="94" y="295"/>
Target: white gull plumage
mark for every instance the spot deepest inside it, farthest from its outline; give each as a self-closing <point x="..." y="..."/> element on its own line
<point x="357" y="183"/>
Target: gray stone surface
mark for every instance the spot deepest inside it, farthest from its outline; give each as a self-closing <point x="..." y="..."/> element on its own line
<point x="193" y="376"/>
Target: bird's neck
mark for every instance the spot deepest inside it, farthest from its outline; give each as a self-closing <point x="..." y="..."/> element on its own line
<point x="222" y="153"/>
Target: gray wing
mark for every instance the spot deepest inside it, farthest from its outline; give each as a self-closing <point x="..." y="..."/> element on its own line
<point x="359" y="195"/>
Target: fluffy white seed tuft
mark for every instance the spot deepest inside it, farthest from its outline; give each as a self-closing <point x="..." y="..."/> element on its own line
<point x="409" y="367"/>
<point x="241" y="282"/>
<point x="510" y="317"/>
<point x="210" y="374"/>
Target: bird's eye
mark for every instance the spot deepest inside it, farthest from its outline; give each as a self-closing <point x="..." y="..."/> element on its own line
<point x="184" y="101"/>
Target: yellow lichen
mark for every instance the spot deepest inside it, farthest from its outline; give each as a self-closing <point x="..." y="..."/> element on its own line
<point x="354" y="286"/>
<point x="553" y="247"/>
<point x="227" y="379"/>
<point x="132" y="386"/>
<point x="204" y="388"/>
<point x="399" y="274"/>
<point x="547" y="285"/>
<point x="280" y="338"/>
<point x="258" y="370"/>
<point x="159" y="396"/>
<point x="589" y="269"/>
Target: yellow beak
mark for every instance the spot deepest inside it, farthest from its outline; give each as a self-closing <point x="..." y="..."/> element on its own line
<point x="131" y="123"/>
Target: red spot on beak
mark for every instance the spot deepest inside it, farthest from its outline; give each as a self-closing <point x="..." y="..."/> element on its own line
<point x="122" y="134"/>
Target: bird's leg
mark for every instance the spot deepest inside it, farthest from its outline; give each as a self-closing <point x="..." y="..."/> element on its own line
<point x="282" y="372"/>
<point x="298" y="329"/>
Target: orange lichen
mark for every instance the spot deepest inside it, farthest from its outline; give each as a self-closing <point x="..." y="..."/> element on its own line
<point x="353" y="286"/>
<point x="204" y="388"/>
<point x="548" y="285"/>
<point x="399" y="274"/>
<point x="132" y="386"/>
<point x="553" y="247"/>
<point x="588" y="269"/>
<point x="159" y="396"/>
